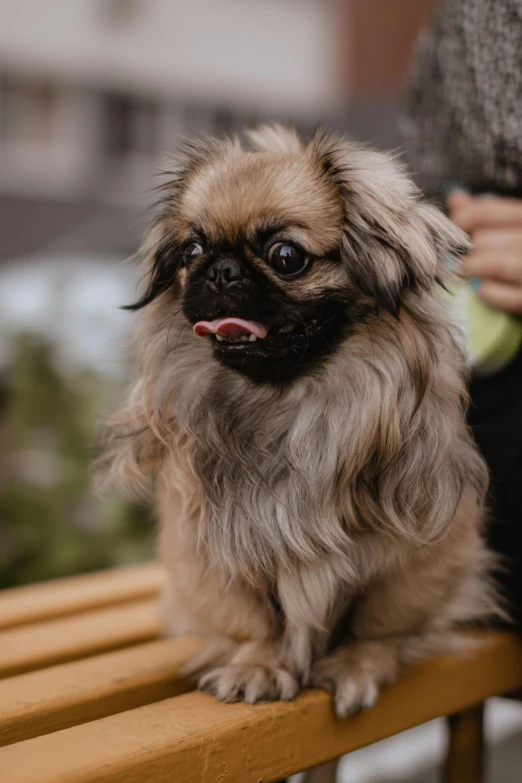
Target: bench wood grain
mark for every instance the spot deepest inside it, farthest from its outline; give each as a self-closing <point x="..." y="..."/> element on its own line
<point x="59" y="597"/>
<point x="40" y="702"/>
<point x="46" y="643"/>
<point x="193" y="738"/>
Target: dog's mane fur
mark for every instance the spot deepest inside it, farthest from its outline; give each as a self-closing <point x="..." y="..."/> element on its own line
<point x="324" y="485"/>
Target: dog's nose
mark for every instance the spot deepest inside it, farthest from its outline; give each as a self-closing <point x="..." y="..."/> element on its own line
<point x="224" y="274"/>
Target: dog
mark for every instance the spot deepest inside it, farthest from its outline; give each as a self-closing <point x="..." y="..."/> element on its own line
<point x="300" y="401"/>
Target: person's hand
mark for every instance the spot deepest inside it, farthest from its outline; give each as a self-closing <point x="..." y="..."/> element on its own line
<point x="495" y="227"/>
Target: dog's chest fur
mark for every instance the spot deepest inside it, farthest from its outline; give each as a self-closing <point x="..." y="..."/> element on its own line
<point x="270" y="464"/>
<point x="266" y="479"/>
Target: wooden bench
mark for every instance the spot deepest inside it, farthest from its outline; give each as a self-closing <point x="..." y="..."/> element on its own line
<point x="91" y="693"/>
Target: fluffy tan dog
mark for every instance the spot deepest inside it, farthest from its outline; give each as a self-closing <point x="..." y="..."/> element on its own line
<point x="299" y="398"/>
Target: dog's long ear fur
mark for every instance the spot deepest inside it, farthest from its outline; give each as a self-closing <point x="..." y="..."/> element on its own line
<point x="133" y="445"/>
<point x="161" y="255"/>
<point x="131" y="452"/>
<point x="392" y="241"/>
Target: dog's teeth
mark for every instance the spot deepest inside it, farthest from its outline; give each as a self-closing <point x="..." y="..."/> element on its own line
<point x="219" y="338"/>
<point x="252" y="338"/>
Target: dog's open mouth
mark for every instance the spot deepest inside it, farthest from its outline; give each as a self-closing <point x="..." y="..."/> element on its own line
<point x="232" y="330"/>
<point x="241" y="333"/>
<point x="268" y="352"/>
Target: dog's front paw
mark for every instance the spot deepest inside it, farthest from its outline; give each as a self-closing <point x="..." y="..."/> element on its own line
<point x="239" y="682"/>
<point x="352" y="690"/>
<point x="354" y="674"/>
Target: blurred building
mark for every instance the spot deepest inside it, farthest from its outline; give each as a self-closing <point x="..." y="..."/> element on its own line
<point x="94" y="93"/>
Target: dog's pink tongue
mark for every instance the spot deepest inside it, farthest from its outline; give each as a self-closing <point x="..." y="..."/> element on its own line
<point x="230" y="327"/>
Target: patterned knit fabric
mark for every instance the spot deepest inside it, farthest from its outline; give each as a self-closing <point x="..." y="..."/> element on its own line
<point x="464" y="124"/>
<point x="465" y="127"/>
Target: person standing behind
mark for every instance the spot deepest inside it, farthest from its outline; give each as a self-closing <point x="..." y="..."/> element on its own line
<point x="464" y="135"/>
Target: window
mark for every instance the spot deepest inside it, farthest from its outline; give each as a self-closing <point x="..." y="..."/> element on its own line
<point x="131" y="125"/>
<point x="30" y="110"/>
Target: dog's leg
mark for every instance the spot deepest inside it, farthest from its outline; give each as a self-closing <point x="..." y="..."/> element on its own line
<point x="354" y="673"/>
<point x="242" y="657"/>
<point x="409" y="614"/>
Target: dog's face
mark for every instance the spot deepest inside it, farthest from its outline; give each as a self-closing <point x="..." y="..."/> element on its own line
<point x="262" y="277"/>
<point x="275" y="254"/>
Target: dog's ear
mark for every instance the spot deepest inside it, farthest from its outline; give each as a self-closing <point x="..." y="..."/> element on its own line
<point x="160" y="253"/>
<point x="161" y="258"/>
<point x="392" y="240"/>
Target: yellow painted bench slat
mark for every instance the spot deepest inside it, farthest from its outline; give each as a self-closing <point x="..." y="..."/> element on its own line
<point x="56" y="698"/>
<point x="22" y="605"/>
<point x="65" y="639"/>
<point x="194" y="738"/>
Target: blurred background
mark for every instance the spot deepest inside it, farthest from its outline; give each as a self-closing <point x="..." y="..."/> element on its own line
<point x="94" y="95"/>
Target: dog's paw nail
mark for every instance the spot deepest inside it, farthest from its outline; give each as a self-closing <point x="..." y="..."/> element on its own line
<point x="204" y="684"/>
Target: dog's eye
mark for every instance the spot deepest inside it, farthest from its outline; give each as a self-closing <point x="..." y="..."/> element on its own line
<point x="287" y="260"/>
<point x="192" y="250"/>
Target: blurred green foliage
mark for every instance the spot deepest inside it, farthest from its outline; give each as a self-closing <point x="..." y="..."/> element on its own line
<point x="51" y="523"/>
